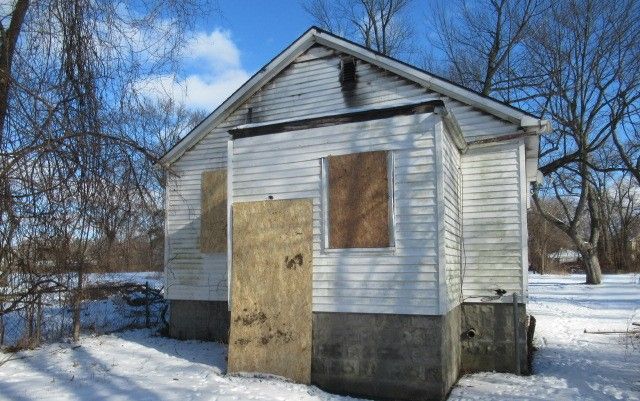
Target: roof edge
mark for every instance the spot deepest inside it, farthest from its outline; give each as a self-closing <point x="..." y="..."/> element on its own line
<point x="252" y="85"/>
<point x="431" y="81"/>
<point x="314" y="35"/>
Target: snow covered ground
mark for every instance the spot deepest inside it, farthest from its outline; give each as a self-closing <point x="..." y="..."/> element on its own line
<point x="570" y="364"/>
<point x="102" y="314"/>
<point x="136" y="365"/>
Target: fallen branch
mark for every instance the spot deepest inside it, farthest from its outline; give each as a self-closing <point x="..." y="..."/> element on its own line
<point x="11" y="358"/>
<point x="611" y="331"/>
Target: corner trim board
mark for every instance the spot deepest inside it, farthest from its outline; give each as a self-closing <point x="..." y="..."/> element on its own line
<point x="443" y="302"/>
<point x="229" y="219"/>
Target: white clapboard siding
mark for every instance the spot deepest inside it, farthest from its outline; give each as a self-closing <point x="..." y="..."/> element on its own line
<point x="493" y="221"/>
<point x="452" y="188"/>
<point x="190" y="274"/>
<point x="310" y="85"/>
<point x="399" y="280"/>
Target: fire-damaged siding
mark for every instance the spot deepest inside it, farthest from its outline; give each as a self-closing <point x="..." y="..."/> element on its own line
<point x="310" y="85"/>
<point x="288" y="166"/>
<point x="494" y="220"/>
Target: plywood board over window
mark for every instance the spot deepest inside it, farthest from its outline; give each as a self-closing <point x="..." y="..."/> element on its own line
<point x="213" y="219"/>
<point x="271" y="288"/>
<point x="358" y="200"/>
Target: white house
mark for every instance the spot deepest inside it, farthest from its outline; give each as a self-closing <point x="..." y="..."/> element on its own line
<point x="377" y="225"/>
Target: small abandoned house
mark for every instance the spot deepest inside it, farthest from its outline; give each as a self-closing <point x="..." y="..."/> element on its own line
<point x="348" y="220"/>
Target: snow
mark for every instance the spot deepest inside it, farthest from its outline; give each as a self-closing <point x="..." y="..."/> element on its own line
<point x="138" y="365"/>
<point x="565" y="256"/>
<point x="154" y="279"/>
<point x="571" y="364"/>
<point x="107" y="314"/>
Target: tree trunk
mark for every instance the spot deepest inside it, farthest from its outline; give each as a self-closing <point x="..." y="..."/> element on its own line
<point x="1" y="324"/>
<point x="77" y="304"/>
<point x="592" y="267"/>
<point x="7" y="51"/>
<point x="543" y="254"/>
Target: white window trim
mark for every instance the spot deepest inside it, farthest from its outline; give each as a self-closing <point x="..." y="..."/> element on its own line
<point x="324" y="227"/>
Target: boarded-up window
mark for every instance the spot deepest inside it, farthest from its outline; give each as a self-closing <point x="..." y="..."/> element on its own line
<point x="358" y="200"/>
<point x="213" y="220"/>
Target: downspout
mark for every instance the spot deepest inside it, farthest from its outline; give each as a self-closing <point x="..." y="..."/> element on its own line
<point x="516" y="336"/>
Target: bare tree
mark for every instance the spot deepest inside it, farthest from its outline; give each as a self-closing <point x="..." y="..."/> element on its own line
<point x="583" y="49"/>
<point x="621" y="213"/>
<point x="481" y="42"/>
<point x="9" y="38"/>
<point x="627" y="137"/>
<point x="573" y="62"/>
<point x="377" y="24"/>
<point x="544" y="237"/>
<point x="75" y="160"/>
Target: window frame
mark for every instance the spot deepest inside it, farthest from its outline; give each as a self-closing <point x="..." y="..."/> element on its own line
<point x="324" y="202"/>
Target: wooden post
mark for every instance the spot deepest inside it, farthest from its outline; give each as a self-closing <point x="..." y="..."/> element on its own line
<point x="77" y="303"/>
<point x="515" y="333"/>
<point x="1" y="323"/>
<point x="147" y="312"/>
<point x="39" y="319"/>
<point x="29" y="311"/>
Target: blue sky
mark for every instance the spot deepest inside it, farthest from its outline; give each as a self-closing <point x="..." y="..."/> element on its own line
<point x="231" y="44"/>
<point x="261" y="29"/>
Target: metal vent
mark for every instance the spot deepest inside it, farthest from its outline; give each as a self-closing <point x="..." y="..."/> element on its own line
<point x="348" y="76"/>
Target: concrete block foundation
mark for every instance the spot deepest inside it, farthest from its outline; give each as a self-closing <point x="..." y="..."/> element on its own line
<point x="491" y="348"/>
<point x="384" y="356"/>
<point x="199" y="320"/>
<point x="395" y="357"/>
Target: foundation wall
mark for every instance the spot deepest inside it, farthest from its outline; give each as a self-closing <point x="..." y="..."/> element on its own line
<point x="491" y="348"/>
<point x="199" y="320"/>
<point x="382" y="356"/>
<point x="451" y="348"/>
<point x="385" y="356"/>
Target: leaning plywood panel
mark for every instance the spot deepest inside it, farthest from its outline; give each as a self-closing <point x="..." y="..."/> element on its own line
<point x="271" y="287"/>
<point x="213" y="223"/>
<point x="359" y="200"/>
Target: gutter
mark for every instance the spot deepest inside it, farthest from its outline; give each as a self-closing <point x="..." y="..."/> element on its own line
<point x="540" y="126"/>
<point x="503" y="138"/>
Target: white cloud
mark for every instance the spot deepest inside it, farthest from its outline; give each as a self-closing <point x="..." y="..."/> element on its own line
<point x="214" y="72"/>
<point x="215" y="48"/>
<point x="208" y="93"/>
